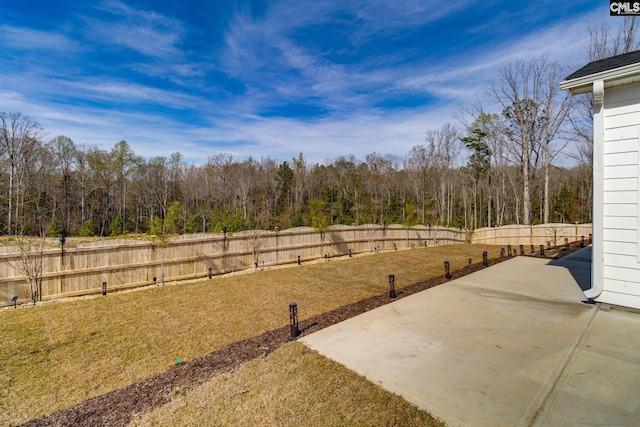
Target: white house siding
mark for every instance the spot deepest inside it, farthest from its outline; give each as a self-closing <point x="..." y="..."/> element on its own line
<point x="621" y="204"/>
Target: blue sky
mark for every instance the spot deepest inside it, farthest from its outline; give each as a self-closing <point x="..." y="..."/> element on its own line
<point x="269" y="78"/>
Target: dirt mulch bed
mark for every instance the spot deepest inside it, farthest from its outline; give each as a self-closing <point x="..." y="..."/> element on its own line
<point x="118" y="407"/>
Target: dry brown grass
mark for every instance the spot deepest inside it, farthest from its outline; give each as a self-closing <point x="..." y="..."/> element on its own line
<point x="58" y="354"/>
<point x="294" y="386"/>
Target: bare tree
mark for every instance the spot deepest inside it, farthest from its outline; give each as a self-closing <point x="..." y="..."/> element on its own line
<point x="556" y="106"/>
<point x="82" y="175"/>
<point x="123" y="161"/>
<point x="378" y="184"/>
<point x="372" y="233"/>
<point x="18" y="138"/>
<point x="255" y="242"/>
<point x="604" y="43"/>
<point x="444" y="147"/>
<point x="419" y="163"/>
<point x="534" y="111"/>
<point x="29" y="264"/>
<point x="244" y="183"/>
<point x="63" y="152"/>
<point x="103" y="182"/>
<point x="300" y="171"/>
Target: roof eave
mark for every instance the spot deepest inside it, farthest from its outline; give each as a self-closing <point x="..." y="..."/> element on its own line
<point x="613" y="77"/>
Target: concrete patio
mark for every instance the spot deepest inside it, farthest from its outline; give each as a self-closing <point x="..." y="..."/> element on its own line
<point x="511" y="345"/>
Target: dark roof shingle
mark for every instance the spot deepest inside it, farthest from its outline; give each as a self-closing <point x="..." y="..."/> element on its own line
<point x="606" y="64"/>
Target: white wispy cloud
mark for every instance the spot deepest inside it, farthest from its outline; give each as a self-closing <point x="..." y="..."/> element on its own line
<point x="464" y="76"/>
<point x="30" y="39"/>
<point x="390" y="18"/>
<point x="146" y="32"/>
<point x="358" y="133"/>
<point x="126" y="92"/>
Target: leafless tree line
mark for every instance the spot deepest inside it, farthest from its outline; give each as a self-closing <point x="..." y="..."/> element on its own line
<point x="65" y="188"/>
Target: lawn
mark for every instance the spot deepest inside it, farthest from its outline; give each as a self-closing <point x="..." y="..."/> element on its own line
<point x="294" y="386"/>
<point x="58" y="354"/>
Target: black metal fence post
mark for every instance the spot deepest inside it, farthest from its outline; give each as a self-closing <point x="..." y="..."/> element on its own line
<point x="521" y="249"/>
<point x="392" y="286"/>
<point x="293" y="319"/>
<point x="104" y="288"/>
<point x="485" y="260"/>
<point x="582" y="241"/>
<point x="541" y="250"/>
<point x="447" y="271"/>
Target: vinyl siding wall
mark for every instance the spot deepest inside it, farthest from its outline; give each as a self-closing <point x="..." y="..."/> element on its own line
<point x="620" y="198"/>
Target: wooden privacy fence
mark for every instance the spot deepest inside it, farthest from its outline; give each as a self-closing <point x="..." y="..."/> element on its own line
<point x="531" y="234"/>
<point x="85" y="268"/>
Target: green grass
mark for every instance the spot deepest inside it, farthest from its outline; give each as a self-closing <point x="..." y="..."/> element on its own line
<point x="58" y="354"/>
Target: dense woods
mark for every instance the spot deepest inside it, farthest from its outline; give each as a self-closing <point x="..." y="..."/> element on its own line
<point x="521" y="154"/>
<point x="61" y="187"/>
